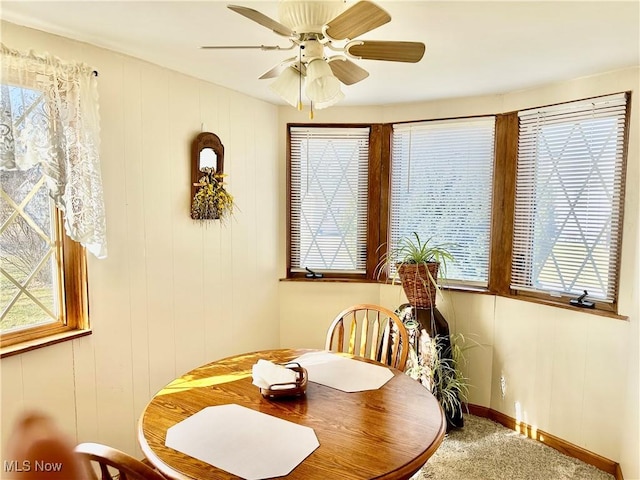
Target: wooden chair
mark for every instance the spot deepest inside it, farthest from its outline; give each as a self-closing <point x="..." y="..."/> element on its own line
<point x="111" y="460"/>
<point x="36" y="438"/>
<point x="375" y="332"/>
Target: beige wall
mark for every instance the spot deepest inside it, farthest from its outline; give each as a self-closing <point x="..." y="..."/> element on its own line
<point x="173" y="293"/>
<point x="571" y="374"/>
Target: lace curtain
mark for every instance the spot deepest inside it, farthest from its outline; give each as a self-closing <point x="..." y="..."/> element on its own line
<point x="49" y="116"/>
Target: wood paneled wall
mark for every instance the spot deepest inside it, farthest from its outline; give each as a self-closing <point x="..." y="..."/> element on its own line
<point x="173" y="293"/>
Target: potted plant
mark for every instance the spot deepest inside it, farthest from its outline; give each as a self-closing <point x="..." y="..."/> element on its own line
<point x="416" y="264"/>
<point x="437" y="364"/>
<point x="435" y="356"/>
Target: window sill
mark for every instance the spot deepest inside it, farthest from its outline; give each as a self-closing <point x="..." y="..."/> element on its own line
<point x="474" y="290"/>
<point x="329" y="279"/>
<point x="566" y="306"/>
<point x="29" y="345"/>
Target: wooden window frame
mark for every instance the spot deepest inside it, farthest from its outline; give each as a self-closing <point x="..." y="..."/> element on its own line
<point x="502" y="221"/>
<point x="373" y="201"/>
<point x="451" y="283"/>
<point x="507" y="136"/>
<point x="72" y="293"/>
<point x="504" y="189"/>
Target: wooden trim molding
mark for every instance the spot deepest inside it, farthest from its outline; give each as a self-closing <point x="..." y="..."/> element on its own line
<point x="504" y="181"/>
<point x="378" y="161"/>
<point x="569" y="449"/>
<point x="376" y="152"/>
<point x="36" y="343"/>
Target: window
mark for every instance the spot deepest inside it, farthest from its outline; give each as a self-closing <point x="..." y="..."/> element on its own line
<point x="28" y="254"/>
<point x="34" y="298"/>
<point x="328" y="182"/>
<point x="51" y="205"/>
<point x="568" y="204"/>
<point x="532" y="201"/>
<point x="441" y="188"/>
<point x="42" y="272"/>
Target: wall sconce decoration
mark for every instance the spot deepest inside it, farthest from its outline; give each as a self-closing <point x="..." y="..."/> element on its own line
<point x="209" y="199"/>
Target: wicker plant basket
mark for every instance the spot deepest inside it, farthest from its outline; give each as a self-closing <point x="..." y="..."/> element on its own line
<point x="418" y="285"/>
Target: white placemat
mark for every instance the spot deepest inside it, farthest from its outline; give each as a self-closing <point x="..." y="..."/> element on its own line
<point x="343" y="373"/>
<point x="244" y="442"/>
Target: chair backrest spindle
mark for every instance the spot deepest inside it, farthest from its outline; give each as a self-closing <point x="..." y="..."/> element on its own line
<point x="375" y="337"/>
<point x="364" y="327"/>
<point x="382" y="336"/>
<point x="352" y="335"/>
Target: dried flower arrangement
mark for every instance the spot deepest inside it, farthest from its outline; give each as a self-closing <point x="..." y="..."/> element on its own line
<point x="211" y="201"/>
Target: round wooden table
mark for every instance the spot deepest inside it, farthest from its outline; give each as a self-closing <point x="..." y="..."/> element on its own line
<point x="388" y="433"/>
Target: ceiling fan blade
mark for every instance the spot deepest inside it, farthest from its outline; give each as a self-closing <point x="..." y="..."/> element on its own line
<point x="347" y="71"/>
<point x="360" y="18"/>
<point x="246" y="47"/>
<point x="411" y="52"/>
<point x="278" y="69"/>
<point x="262" y="19"/>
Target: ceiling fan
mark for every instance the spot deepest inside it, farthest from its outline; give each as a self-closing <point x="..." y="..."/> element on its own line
<point x="325" y="35"/>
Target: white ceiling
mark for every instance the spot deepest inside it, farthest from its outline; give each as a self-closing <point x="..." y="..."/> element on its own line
<point x="473" y="47"/>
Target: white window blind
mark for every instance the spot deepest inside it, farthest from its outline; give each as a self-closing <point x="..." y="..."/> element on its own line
<point x="569" y="188"/>
<point x="441" y="188"/>
<point x="329" y="188"/>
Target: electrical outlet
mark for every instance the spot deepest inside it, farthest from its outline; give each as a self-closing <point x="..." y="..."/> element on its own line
<point x="503" y="386"/>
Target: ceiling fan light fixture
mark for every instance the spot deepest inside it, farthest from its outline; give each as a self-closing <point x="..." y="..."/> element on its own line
<point x="287" y="86"/>
<point x="322" y="85"/>
<point x="330" y="102"/>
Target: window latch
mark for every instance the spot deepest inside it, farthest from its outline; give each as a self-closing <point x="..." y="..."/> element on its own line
<point x="312" y="274"/>
<point x="581" y="302"/>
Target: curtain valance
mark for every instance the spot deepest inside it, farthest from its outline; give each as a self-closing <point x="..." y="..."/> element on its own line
<point x="49" y="117"/>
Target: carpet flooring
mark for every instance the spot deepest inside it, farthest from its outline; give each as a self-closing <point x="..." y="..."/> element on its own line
<point x="485" y="450"/>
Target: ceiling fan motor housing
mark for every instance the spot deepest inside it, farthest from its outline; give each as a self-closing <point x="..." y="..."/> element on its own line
<point x="310" y="49"/>
<point x="308" y="17"/>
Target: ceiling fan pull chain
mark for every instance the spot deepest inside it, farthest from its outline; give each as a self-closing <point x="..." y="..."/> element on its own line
<point x="300" y="80"/>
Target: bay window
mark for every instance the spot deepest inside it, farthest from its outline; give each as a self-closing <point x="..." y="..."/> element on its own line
<point x="531" y="201"/>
